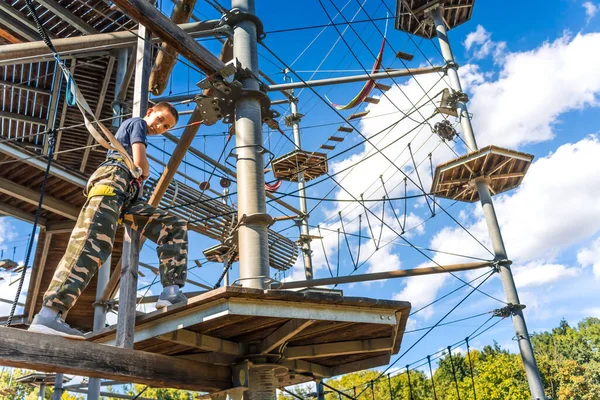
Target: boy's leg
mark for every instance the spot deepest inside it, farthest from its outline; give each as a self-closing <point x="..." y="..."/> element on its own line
<point x="90" y="245"/>
<point x="170" y="234"/>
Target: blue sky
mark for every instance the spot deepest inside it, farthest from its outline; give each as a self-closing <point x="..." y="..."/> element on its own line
<point x="530" y="69"/>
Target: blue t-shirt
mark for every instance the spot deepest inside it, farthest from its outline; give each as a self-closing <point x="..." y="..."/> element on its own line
<point x="131" y="131"/>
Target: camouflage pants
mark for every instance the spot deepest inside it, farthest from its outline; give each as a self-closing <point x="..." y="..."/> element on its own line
<point x="93" y="237"/>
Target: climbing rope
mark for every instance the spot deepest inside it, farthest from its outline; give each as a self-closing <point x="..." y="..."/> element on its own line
<point x="432" y="380"/>
<point x="51" y="142"/>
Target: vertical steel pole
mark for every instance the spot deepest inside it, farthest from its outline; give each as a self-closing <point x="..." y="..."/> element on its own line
<point x="58" y="387"/>
<point x="117" y="105"/>
<point x="510" y="290"/>
<point x="304" y="230"/>
<point x="320" y="391"/>
<point x="42" y="392"/>
<point x="225" y="257"/>
<point x="252" y="234"/>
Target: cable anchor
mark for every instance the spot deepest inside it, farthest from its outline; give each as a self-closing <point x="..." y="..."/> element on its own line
<point x="510" y="309"/>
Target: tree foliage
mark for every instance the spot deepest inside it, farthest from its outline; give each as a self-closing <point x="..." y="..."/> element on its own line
<point x="568" y="358"/>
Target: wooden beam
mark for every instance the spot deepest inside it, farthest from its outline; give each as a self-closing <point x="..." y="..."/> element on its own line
<point x="16" y="14"/>
<point x="17" y="27"/>
<point x="22" y="118"/>
<point x="60" y="226"/>
<point x="9" y="37"/>
<point x="49" y="353"/>
<point x="147" y="15"/>
<point x="31" y="196"/>
<point x="361" y="365"/>
<point x="24" y="86"/>
<point x="339" y="348"/>
<point x="68" y="16"/>
<point x="305" y="367"/>
<point x="16" y="212"/>
<point x="210" y="358"/>
<point x="41" y="264"/>
<point x="283" y="334"/>
<point x="98" y="111"/>
<point x="202" y="342"/>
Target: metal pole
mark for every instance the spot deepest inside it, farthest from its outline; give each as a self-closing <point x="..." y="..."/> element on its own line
<point x="376" y="276"/>
<point x="252" y="233"/>
<point x="99" y="320"/>
<point x="42" y="392"/>
<point x="531" y="369"/>
<point x="117" y="105"/>
<point x="320" y="391"/>
<point x="355" y="78"/>
<point x="304" y="231"/>
<point x="225" y="256"/>
<point x="58" y="387"/>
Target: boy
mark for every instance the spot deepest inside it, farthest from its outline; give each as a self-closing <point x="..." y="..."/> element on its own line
<point x="111" y="193"/>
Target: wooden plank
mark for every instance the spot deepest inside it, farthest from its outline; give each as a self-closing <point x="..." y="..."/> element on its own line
<point x="382" y="87"/>
<point x="336" y="139"/>
<point x="286" y="332"/>
<point x="202" y="342"/>
<point x="163" y="27"/>
<point x="16" y="212"/>
<point x="327" y="147"/>
<point x="404" y="56"/>
<point x="358" y="115"/>
<point x="41" y="264"/>
<point x="345" y="129"/>
<point x="49" y="353"/>
<point x="372" y="100"/>
<point x="339" y="348"/>
<point x="68" y="16"/>
<point x="22" y="118"/>
<point x="32" y="197"/>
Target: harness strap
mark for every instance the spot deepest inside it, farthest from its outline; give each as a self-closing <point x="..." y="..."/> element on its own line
<point x="106" y="138"/>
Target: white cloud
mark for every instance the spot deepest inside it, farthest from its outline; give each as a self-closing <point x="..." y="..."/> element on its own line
<point x="591" y="10"/>
<point x="534" y="274"/>
<point x="590" y="256"/>
<point x="482" y="44"/>
<point x="533" y="88"/>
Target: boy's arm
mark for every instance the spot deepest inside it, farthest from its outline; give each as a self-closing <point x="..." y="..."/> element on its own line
<point x="140" y="159"/>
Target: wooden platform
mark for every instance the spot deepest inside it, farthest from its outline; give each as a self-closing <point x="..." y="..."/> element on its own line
<point x="411" y="15"/>
<point x="312" y="164"/>
<point x="503" y="168"/>
<point x="312" y="335"/>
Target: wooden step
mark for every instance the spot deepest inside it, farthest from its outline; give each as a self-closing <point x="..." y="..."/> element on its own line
<point x="372" y="100"/>
<point x="345" y="129"/>
<point x="336" y="139"/>
<point x="358" y="115"/>
<point x="327" y="147"/>
<point x="382" y="87"/>
<point x="404" y="56"/>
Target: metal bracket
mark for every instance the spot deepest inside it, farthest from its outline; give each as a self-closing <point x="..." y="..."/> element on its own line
<point x="290" y="119"/>
<point x="509" y="310"/>
<point x="449" y="64"/>
<point x="260" y="218"/>
<point x="496" y="265"/>
<point x="234" y="16"/>
<point x="445" y="130"/>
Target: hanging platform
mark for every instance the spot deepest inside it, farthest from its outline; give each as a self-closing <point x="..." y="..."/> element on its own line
<point x="217" y="253"/>
<point x="312" y="164"/>
<point x="412" y="15"/>
<point x="503" y="168"/>
<point x="309" y="335"/>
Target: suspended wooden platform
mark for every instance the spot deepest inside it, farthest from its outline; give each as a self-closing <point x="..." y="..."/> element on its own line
<point x="217" y="253"/>
<point x="310" y="335"/>
<point x="503" y="168"/>
<point x="312" y="164"/>
<point x="411" y="15"/>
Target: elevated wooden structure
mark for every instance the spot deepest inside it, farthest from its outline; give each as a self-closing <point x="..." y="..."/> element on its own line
<point x="411" y="15"/>
<point x="504" y="170"/>
<point x="312" y="164"/>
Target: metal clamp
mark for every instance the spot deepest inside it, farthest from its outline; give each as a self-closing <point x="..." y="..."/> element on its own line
<point x="449" y="65"/>
<point x="234" y="16"/>
<point x="498" y="263"/>
<point x="510" y="309"/>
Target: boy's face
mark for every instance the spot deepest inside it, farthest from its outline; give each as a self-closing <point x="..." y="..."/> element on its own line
<point x="159" y="121"/>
